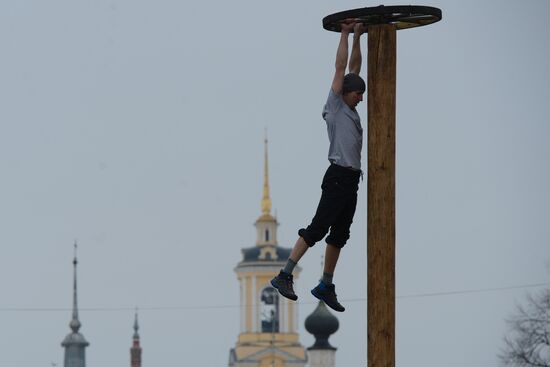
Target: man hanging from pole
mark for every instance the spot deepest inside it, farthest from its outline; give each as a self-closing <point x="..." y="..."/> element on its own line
<point x="341" y="181"/>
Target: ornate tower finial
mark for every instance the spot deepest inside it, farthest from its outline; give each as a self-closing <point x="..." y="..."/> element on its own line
<point x="266" y="225"/>
<point x="74" y="343"/>
<point x="266" y="200"/>
<point x="75" y="323"/>
<point x="135" y="350"/>
<point x="136" y="326"/>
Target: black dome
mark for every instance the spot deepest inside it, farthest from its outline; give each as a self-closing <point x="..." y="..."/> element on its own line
<point x="321" y="323"/>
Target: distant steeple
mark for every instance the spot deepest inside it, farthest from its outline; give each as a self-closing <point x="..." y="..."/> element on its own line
<point x="268" y="323"/>
<point x="75" y="322"/>
<point x="266" y="200"/>
<point x="136" y="327"/>
<point x="75" y="343"/>
<point x="266" y="224"/>
<point x="135" y="351"/>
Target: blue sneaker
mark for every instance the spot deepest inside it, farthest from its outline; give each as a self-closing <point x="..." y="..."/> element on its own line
<point x="326" y="293"/>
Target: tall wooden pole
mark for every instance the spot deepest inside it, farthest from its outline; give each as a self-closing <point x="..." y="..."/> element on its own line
<point x="381" y="195"/>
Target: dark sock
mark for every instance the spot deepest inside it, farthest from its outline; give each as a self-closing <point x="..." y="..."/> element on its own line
<point x="327" y="278"/>
<point x="289" y="267"/>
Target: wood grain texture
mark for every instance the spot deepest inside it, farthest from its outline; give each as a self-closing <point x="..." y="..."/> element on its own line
<point x="381" y="195"/>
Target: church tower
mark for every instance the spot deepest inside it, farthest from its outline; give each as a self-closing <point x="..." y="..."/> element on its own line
<point x="74" y="343"/>
<point x="135" y="351"/>
<point x="268" y="329"/>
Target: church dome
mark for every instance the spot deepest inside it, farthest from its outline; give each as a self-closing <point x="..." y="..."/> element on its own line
<point x="321" y="323"/>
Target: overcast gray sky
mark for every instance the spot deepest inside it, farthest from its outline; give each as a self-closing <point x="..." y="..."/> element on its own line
<point x="136" y="127"/>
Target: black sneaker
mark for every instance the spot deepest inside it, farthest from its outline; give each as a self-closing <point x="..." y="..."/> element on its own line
<point x="325" y="292"/>
<point x="283" y="283"/>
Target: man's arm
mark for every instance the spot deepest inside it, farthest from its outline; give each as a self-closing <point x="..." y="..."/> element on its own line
<point x="356" y="59"/>
<point x="342" y="57"/>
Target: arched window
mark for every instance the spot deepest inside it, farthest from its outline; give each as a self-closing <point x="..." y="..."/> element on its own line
<point x="270" y="310"/>
<point x="267" y="235"/>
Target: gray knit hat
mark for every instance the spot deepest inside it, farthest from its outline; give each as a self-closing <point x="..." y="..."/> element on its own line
<point x="353" y="83"/>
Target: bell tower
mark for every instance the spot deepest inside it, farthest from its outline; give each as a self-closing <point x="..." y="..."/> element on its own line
<point x="268" y="328"/>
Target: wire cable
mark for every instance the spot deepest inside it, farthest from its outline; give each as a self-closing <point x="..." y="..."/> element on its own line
<point x="484" y="290"/>
<point x="220" y="307"/>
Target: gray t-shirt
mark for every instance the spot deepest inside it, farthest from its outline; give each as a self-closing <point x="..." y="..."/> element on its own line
<point x="344" y="132"/>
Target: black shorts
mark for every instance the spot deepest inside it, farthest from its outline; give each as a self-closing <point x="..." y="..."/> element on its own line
<point x="336" y="207"/>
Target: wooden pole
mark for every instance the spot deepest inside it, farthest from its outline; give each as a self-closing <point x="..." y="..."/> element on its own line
<point x="381" y="195"/>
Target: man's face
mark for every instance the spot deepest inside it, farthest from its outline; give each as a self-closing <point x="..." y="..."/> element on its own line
<point x="352" y="99"/>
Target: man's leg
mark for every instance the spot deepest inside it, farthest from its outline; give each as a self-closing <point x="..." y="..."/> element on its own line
<point x="325" y="291"/>
<point x="327" y="212"/>
<point x="332" y="253"/>
<point x="299" y="249"/>
<point x="284" y="281"/>
<point x="339" y="234"/>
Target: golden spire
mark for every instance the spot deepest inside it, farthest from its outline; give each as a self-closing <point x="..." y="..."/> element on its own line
<point x="266" y="200"/>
